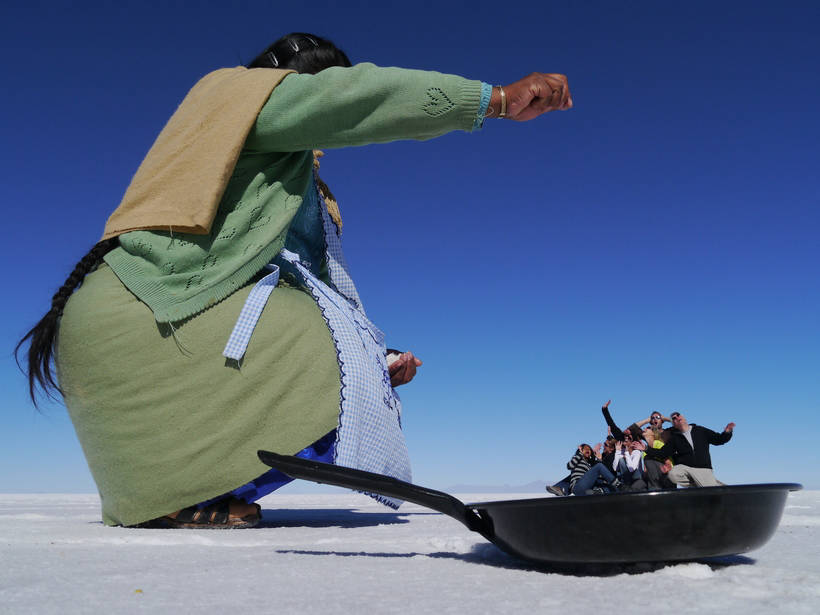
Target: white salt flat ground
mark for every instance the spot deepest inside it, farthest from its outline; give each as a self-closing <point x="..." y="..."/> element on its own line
<point x="344" y="553"/>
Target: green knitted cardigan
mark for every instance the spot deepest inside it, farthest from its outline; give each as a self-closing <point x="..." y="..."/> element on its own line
<point x="179" y="275"/>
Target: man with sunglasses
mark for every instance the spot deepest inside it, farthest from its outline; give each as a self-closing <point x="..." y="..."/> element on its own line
<point x="688" y="447"/>
<point x="656" y="421"/>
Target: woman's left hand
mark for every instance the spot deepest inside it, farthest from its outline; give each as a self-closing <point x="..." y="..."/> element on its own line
<point x="403" y="369"/>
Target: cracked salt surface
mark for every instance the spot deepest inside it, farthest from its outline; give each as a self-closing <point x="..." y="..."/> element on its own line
<point x="343" y="553"/>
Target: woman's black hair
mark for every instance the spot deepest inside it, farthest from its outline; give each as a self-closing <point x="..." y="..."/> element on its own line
<point x="43" y="335"/>
<point x="304" y="53"/>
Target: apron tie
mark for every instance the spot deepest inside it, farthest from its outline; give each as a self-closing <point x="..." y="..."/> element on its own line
<point x="249" y="316"/>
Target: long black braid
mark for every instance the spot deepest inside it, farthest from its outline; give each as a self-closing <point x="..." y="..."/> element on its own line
<point x="43" y="336"/>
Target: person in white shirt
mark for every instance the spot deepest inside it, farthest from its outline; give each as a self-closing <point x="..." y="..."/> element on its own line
<point x="627" y="462"/>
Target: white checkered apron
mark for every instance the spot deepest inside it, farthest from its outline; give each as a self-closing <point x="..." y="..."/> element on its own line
<point x="369" y="435"/>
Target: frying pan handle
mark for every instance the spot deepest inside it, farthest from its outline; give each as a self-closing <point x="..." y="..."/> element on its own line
<point x="369" y="482"/>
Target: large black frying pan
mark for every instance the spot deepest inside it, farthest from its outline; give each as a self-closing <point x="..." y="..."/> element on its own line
<point x="675" y="525"/>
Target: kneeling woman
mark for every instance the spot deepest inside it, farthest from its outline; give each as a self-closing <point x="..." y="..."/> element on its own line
<point x="217" y="315"/>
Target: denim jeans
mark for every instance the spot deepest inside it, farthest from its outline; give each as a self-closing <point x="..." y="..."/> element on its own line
<point x="626" y="475"/>
<point x="587" y="481"/>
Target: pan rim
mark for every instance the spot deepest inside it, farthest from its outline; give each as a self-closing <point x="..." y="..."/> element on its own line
<point x="656" y="496"/>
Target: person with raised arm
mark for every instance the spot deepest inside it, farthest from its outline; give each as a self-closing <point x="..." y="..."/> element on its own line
<point x="688" y="448"/>
<point x="217" y="315"/>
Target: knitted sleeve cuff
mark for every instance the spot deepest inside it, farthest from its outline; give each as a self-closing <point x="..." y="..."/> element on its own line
<point x="483" y="105"/>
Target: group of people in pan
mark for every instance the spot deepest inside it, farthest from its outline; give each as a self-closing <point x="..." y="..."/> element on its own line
<point x="644" y="456"/>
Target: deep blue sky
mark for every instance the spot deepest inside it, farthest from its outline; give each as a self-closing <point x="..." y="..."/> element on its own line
<point x="657" y="244"/>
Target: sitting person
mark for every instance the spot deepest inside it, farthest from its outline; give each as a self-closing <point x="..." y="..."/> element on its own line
<point x="655" y="422"/>
<point x="634" y="429"/>
<point x="688" y="447"/>
<point x="656" y="470"/>
<point x="608" y="456"/>
<point x="586" y="470"/>
<point x="564" y="487"/>
<point x="627" y="462"/>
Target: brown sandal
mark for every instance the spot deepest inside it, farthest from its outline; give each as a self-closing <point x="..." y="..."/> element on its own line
<point x="216" y="516"/>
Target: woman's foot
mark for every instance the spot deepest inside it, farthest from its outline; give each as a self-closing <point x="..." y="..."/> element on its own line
<point x="225" y="514"/>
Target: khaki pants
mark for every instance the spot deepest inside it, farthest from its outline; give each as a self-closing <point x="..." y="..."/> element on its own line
<point x="686" y="476"/>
